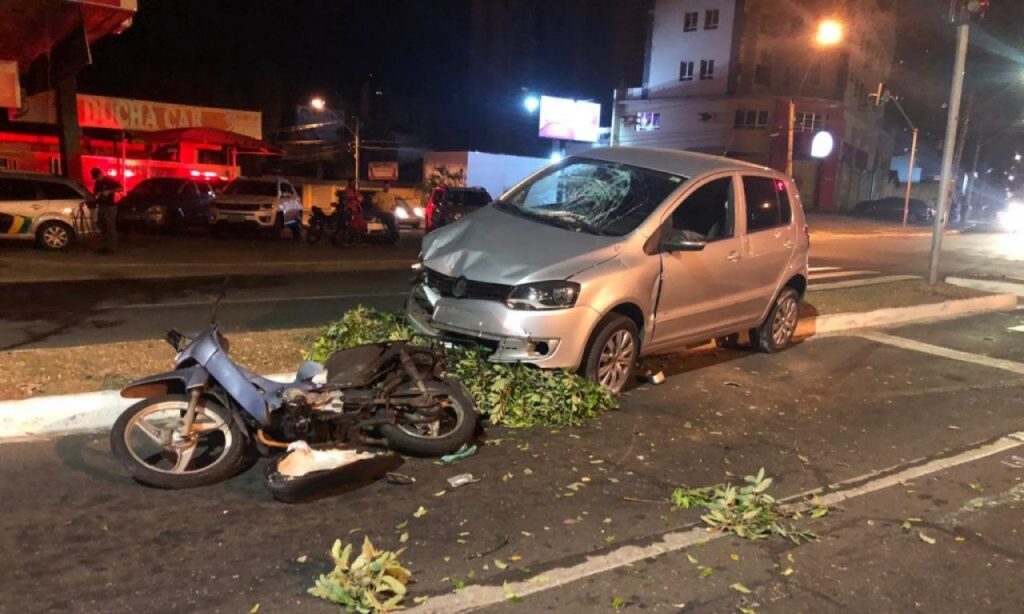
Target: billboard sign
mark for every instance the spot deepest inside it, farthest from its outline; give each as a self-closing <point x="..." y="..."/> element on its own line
<point x="570" y="120"/>
<point x="383" y="171"/>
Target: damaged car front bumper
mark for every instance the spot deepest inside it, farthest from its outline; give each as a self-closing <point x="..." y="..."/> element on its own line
<point x="551" y="339"/>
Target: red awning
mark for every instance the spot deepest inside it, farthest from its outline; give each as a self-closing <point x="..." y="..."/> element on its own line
<point x="209" y="136"/>
<point x="31" y="28"/>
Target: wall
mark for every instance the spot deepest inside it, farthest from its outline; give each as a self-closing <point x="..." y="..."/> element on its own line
<point x="670" y="45"/>
<point x="497" y="173"/>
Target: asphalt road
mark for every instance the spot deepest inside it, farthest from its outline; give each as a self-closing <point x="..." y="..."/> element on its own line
<point x="574" y="506"/>
<point x="68" y="313"/>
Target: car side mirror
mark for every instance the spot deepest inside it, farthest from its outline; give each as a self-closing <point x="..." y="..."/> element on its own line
<point x="677" y="242"/>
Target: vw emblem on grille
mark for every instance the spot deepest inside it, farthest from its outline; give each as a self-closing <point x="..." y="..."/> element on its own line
<point x="459" y="289"/>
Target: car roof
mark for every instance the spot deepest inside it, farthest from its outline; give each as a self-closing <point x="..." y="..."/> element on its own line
<point x="675" y="161"/>
<point x="37" y="177"/>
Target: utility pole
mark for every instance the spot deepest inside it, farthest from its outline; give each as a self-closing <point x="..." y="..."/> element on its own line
<point x="356" y="144"/>
<point x="910" y="178"/>
<point x="789" y="138"/>
<point x="952" y="124"/>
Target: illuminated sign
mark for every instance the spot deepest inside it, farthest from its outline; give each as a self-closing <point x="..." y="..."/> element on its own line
<point x="570" y="120"/>
<point x="10" y="91"/>
<point x="142" y="115"/>
<point x="383" y="171"/>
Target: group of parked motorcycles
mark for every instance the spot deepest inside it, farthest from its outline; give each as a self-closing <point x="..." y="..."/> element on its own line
<point x="346" y="225"/>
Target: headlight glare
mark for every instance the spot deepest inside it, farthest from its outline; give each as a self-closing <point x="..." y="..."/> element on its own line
<point x="544" y="295"/>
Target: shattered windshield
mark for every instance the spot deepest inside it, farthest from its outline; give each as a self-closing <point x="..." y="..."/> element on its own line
<point x="592" y="196"/>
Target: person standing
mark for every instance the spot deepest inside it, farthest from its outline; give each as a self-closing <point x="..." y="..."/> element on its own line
<point x="384" y="202"/>
<point x="103" y="190"/>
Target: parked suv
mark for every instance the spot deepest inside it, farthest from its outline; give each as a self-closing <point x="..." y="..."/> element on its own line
<point x="448" y="204"/>
<point x="265" y="203"/>
<point x="45" y="208"/>
<point x="166" y="203"/>
<point x="598" y="260"/>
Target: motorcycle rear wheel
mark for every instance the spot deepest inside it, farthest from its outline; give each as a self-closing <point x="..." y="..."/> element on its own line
<point x="456" y="427"/>
<point x="147" y="440"/>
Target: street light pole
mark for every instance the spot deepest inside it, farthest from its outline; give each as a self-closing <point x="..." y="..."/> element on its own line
<point x="355" y="133"/>
<point x="789" y="138"/>
<point x="952" y="123"/>
<point x="910" y="178"/>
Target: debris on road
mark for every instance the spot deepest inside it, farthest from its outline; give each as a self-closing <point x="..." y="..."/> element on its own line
<point x="461" y="480"/>
<point x="374" y="582"/>
<point x="461" y="454"/>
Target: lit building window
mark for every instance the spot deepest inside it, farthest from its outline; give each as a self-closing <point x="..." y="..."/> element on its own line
<point x="690" y="21"/>
<point x="711" y="19"/>
<point x="686" y="71"/>
<point x="648" y="121"/>
<point x="749" y="119"/>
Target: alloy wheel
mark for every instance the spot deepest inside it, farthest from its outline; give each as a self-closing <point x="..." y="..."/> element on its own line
<point x="616" y="361"/>
<point x="56" y="237"/>
<point x="784" y="323"/>
<point x="155" y="439"/>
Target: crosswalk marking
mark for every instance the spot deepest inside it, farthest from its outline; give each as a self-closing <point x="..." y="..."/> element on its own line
<point x="837" y="278"/>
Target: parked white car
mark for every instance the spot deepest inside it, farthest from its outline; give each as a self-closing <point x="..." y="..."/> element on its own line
<point x="44" y="208"/>
<point x="264" y="203"/>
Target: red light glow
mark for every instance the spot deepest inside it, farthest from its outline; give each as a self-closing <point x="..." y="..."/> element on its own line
<point x="194" y="173"/>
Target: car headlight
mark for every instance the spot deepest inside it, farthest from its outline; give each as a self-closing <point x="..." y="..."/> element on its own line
<point x="418" y="211"/>
<point x="401" y="213"/>
<point x="544" y="295"/>
<point x="1012" y="219"/>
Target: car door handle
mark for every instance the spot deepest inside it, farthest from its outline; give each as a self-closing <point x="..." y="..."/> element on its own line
<point x="733" y="257"/>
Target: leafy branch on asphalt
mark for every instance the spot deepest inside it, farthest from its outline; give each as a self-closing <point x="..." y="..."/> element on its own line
<point x="374" y="582"/>
<point x="747" y="510"/>
<point x="516" y="395"/>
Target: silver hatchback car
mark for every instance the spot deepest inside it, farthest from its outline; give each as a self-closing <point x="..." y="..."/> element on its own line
<point x="602" y="258"/>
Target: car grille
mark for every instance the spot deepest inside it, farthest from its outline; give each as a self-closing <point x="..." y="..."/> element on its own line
<point x="476" y="290"/>
<point x="236" y="207"/>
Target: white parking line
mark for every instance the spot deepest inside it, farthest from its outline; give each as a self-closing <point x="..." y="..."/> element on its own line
<point x="938" y="350"/>
<point x="1016" y="329"/>
<point x="475" y="597"/>
<point x="244" y="301"/>
<point x="857" y="283"/>
<point x="838" y="274"/>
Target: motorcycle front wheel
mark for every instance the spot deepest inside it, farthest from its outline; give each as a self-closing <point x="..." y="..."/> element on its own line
<point x="149" y="442"/>
<point x="454" y="427"/>
<point x="314" y="232"/>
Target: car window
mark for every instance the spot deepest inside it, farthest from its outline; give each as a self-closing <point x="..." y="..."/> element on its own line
<point x="767" y="203"/>
<point x="251" y="187"/>
<point x="286" y="189"/>
<point x="58" y="191"/>
<point x="708" y="214"/>
<point x="189" y="189"/>
<point x="18" y="189"/>
<point x="593" y="196"/>
<point x="162" y="186"/>
<point x="468" y="198"/>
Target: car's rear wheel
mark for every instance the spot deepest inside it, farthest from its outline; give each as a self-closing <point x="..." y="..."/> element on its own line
<point x="776" y="332"/>
<point x="54" y="236"/>
<point x="612" y="354"/>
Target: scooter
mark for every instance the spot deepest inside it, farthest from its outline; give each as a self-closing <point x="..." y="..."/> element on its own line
<point x="210" y="418"/>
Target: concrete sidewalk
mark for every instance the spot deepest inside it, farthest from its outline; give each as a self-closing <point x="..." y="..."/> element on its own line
<point x="840" y="225"/>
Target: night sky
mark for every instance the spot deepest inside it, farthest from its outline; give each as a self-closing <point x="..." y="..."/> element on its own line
<point x="272" y="55"/>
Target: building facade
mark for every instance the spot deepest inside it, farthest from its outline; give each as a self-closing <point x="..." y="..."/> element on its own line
<point x="719" y="76"/>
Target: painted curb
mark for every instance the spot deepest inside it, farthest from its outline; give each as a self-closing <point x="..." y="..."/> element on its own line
<point x="96" y="411"/>
<point x="894" y="316"/>
<point x="68" y="413"/>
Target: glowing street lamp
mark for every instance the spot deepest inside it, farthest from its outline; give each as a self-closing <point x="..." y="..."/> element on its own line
<point x="531" y="103"/>
<point x="318" y="103"/>
<point x="830" y="33"/>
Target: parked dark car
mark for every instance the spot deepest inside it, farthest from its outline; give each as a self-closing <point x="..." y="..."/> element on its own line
<point x="891" y="208"/>
<point x="447" y="204"/>
<point x="166" y="203"/>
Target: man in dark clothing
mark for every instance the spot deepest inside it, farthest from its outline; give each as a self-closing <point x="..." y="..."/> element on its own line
<point x="103" y="190"/>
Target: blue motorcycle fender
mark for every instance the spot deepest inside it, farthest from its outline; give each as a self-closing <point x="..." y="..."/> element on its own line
<point x="170" y="382"/>
<point x="237" y="385"/>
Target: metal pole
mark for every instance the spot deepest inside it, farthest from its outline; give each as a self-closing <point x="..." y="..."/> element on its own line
<point x="613" y="138"/>
<point x="952" y="123"/>
<point x="356" y="134"/>
<point x="910" y="178"/>
<point x="789" y="138"/>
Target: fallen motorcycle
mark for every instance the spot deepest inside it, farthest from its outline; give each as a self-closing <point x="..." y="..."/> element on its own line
<point x="210" y="418"/>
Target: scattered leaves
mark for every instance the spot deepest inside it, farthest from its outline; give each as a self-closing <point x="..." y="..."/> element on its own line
<point x="374" y="582"/>
<point x="925" y="538"/>
<point x="739" y="588"/>
<point x="509" y="594"/>
<point x="617" y="602"/>
<point x="420" y="513"/>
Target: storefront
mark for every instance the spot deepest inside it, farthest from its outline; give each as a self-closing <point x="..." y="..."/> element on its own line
<point x="132" y="140"/>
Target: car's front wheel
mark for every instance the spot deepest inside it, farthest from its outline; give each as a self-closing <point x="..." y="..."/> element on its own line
<point x="776" y="332"/>
<point x="612" y="354"/>
<point x="54" y="236"/>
